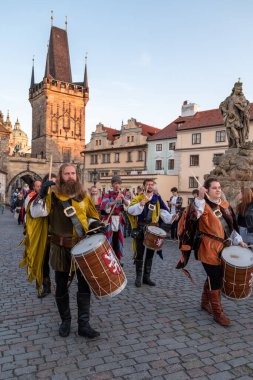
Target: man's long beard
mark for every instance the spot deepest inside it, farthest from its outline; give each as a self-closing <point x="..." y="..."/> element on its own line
<point x="71" y="188"/>
<point x="95" y="198"/>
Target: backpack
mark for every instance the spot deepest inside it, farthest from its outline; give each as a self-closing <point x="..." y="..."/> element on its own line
<point x="249" y="218"/>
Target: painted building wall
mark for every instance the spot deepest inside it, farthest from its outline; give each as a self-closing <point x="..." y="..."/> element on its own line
<point x="165" y="154"/>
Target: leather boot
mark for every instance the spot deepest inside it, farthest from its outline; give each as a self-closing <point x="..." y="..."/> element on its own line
<point x="147" y="269"/>
<point x="46" y="288"/>
<point x="84" y="328"/>
<point x="138" y="266"/>
<point x="205" y="302"/>
<point x="64" y="311"/>
<point x="217" y="311"/>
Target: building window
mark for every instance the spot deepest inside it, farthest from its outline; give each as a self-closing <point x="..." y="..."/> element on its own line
<point x="93" y="159"/>
<point x="132" y="138"/>
<point x="99" y="142"/>
<point x="193" y="183"/>
<point x="129" y="158"/>
<point x="128" y="138"/>
<point x="66" y="154"/>
<point x="115" y="172"/>
<point x="172" y="146"/>
<point x="220" y="136"/>
<point x="196" y="138"/>
<point x="158" y="165"/>
<point x="104" y="174"/>
<point x="96" y="142"/>
<point x="194" y="160"/>
<point x="128" y="172"/>
<point x="171" y="164"/>
<point x="116" y="157"/>
<point x="140" y="155"/>
<point x="159" y="147"/>
<point x="106" y="158"/>
<point x="217" y="155"/>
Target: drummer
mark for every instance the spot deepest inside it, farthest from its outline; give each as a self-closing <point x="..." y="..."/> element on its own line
<point x="146" y="209"/>
<point x="68" y="207"/>
<point x="217" y="228"/>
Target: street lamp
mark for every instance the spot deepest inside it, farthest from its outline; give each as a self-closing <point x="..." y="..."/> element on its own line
<point x="94" y="174"/>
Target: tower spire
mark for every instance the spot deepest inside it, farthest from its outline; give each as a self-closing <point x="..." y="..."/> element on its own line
<point x="85" y="81"/>
<point x="32" y="76"/>
<point x="47" y="70"/>
<point x="52" y="18"/>
<point x="66" y="23"/>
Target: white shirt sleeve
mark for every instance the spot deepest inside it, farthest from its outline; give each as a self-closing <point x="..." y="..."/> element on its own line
<point x="199" y="206"/>
<point x="236" y="238"/>
<point x="135" y="209"/>
<point x="166" y="216"/>
<point x="39" y="209"/>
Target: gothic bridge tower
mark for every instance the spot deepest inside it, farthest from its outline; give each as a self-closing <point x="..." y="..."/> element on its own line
<point x="58" y="105"/>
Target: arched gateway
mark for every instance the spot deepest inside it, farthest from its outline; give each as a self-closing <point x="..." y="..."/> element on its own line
<point x="27" y="176"/>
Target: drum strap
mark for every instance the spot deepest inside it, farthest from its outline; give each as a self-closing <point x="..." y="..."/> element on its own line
<point x="226" y="242"/>
<point x="74" y="219"/>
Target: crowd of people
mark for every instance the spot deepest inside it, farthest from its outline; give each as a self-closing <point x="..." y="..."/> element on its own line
<point x="59" y="213"/>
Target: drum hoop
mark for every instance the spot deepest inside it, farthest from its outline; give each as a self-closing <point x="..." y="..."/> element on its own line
<point x="91" y="249"/>
<point x="235" y="266"/>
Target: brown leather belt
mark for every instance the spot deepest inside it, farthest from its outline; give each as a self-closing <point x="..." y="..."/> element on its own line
<point x="67" y="242"/>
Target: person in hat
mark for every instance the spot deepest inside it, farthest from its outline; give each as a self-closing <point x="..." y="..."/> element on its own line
<point x="112" y="211"/>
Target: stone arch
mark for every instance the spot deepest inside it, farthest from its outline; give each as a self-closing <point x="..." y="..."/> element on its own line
<point x="28" y="176"/>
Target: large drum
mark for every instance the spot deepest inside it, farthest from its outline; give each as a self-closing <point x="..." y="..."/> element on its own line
<point x="100" y="267"/>
<point x="237" y="265"/>
<point x="154" y="238"/>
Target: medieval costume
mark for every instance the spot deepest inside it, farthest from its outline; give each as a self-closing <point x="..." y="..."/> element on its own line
<point x="112" y="212"/>
<point x="153" y="212"/>
<point x="68" y="220"/>
<point x="207" y="226"/>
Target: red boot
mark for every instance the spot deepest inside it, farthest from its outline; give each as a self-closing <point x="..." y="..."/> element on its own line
<point x="217" y="311"/>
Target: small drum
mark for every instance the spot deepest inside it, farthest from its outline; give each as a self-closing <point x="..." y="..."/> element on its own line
<point x="237" y="266"/>
<point x="154" y="238"/>
<point x="100" y="267"/>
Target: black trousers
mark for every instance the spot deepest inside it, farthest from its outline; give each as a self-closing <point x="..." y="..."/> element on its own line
<point x="214" y="272"/>
<point x="140" y="248"/>
<point x="46" y="267"/>
<point x="61" y="280"/>
<point x="173" y="230"/>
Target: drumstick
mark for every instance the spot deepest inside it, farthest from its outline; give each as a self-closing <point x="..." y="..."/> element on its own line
<point x="97" y="228"/>
<point x="50" y="167"/>
<point x="196" y="179"/>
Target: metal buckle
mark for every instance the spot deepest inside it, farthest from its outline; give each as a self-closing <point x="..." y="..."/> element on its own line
<point x="217" y="213"/>
<point x="69" y="211"/>
<point x="151" y="207"/>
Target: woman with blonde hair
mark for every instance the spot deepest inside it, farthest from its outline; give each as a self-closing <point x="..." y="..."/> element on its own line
<point x="242" y="211"/>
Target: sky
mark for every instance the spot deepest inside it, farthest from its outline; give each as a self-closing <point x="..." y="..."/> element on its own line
<point x="145" y="57"/>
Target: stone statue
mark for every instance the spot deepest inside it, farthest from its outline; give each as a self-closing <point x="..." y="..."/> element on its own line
<point x="236" y="112"/>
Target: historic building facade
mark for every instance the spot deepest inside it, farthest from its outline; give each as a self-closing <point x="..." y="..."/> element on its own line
<point x="117" y="152"/>
<point x="58" y="105"/>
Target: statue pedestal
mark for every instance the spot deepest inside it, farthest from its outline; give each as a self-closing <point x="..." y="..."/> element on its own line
<point x="235" y="171"/>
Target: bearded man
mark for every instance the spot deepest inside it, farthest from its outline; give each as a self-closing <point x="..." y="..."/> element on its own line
<point x="67" y="208"/>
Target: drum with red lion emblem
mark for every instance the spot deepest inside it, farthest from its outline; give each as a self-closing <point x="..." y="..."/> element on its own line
<point x="99" y="265"/>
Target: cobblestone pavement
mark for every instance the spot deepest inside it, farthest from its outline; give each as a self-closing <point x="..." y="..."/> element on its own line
<point x="146" y="333"/>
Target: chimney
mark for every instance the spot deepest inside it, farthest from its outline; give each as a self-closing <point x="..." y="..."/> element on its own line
<point x="189" y="109"/>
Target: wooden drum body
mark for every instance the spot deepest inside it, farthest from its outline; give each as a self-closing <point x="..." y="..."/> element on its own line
<point x="237" y="266"/>
<point x="154" y="238"/>
<point x="100" y="267"/>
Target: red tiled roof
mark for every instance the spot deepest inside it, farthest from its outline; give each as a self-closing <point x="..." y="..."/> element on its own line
<point x="168" y="132"/>
<point x="111" y="133"/>
<point x="200" y="119"/>
<point x="147" y="130"/>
